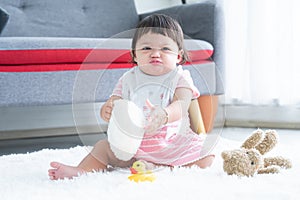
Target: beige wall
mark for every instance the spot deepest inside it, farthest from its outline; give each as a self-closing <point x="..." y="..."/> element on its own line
<point x="151" y="5"/>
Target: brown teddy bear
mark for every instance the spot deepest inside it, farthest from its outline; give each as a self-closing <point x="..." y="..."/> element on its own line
<point x="249" y="160"/>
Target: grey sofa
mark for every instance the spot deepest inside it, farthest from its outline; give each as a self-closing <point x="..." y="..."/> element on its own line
<point x="37" y="101"/>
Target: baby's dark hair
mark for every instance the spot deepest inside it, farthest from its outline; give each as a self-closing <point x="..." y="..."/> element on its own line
<point x="160" y="24"/>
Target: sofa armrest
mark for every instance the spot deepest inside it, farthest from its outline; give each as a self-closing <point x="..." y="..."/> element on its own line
<point x="3" y="19"/>
<point x="202" y="21"/>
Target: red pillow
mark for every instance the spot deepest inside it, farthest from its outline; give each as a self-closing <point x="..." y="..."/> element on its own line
<point x="10" y="59"/>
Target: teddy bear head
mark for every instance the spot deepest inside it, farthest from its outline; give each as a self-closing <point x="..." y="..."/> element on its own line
<point x="242" y="162"/>
<point x="248" y="159"/>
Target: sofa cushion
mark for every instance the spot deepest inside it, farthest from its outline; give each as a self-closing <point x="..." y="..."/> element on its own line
<point x="65" y="87"/>
<point x="64" y="18"/>
<point x="3" y="19"/>
<point x="56" y="54"/>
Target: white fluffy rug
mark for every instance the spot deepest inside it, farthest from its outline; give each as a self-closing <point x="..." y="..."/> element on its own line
<point x="24" y="176"/>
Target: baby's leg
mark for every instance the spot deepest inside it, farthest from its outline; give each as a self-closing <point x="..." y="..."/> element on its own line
<point x="104" y="155"/>
<point x="88" y="164"/>
<point x="61" y="171"/>
<point x="97" y="160"/>
<point x="203" y="162"/>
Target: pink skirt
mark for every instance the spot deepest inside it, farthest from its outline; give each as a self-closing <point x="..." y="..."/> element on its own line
<point x="177" y="150"/>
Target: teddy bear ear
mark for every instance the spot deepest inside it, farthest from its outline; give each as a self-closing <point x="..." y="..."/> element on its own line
<point x="226" y="155"/>
<point x="255" y="138"/>
<point x="268" y="142"/>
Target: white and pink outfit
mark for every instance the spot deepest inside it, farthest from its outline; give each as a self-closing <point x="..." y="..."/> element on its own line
<point x="175" y="143"/>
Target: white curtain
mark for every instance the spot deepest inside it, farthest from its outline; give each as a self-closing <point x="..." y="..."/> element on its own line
<point x="262" y="51"/>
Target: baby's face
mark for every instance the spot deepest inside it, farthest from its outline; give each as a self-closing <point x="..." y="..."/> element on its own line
<point x="157" y="54"/>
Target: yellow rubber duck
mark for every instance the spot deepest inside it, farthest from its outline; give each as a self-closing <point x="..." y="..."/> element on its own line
<point x="140" y="172"/>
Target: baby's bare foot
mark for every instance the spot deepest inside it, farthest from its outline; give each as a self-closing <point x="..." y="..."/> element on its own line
<point x="61" y="171"/>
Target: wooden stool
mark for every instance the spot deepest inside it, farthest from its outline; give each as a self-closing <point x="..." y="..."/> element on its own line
<point x="202" y="112"/>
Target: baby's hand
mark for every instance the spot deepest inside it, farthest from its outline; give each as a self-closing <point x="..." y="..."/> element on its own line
<point x="158" y="117"/>
<point x="106" y="110"/>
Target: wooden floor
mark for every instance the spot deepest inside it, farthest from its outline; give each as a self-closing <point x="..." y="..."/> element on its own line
<point x="28" y="145"/>
<point x="285" y="117"/>
<point x="63" y="142"/>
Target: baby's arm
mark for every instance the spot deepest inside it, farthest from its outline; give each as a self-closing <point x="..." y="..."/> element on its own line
<point x="107" y="107"/>
<point x="180" y="104"/>
<point x="173" y="112"/>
